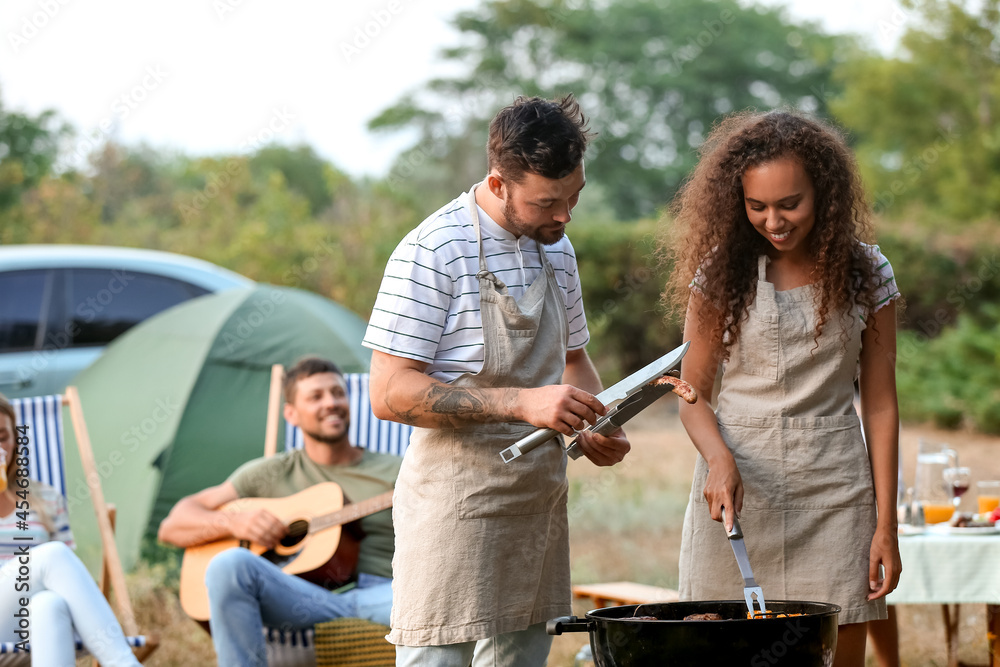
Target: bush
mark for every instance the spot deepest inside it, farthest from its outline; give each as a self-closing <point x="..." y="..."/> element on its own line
<point x="622" y="281"/>
<point x="942" y="278"/>
<point x="953" y="379"/>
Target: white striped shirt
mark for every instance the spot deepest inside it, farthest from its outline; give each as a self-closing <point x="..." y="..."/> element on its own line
<point x="428" y="304"/>
<point x="32" y="532"/>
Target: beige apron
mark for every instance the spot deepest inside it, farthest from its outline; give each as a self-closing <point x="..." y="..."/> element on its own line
<point x="482" y="546"/>
<point x="786" y="412"/>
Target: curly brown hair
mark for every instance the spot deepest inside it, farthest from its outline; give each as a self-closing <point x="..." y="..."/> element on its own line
<point x="712" y="233"/>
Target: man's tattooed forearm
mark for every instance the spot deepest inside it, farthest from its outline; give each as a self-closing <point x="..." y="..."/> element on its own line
<point x="455" y="401"/>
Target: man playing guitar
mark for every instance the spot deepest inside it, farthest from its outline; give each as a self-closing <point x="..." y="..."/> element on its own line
<point x="247" y="591"/>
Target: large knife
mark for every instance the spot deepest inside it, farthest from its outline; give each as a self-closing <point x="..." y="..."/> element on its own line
<point x="617" y="392"/>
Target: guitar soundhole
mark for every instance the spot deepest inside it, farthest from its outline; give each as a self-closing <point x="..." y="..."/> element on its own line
<point x="296" y="531"/>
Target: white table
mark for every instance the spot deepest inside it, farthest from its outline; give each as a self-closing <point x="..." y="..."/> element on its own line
<point x="950" y="568"/>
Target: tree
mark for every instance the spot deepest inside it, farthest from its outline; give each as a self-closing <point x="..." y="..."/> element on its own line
<point x="927" y="121"/>
<point x="304" y="171"/>
<point x="652" y="75"/>
<point x="29" y="146"/>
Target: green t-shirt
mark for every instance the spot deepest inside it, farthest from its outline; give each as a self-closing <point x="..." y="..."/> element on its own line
<point x="290" y="472"/>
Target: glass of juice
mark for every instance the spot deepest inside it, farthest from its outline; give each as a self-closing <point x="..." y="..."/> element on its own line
<point x="938" y="513"/>
<point x="988" y="495"/>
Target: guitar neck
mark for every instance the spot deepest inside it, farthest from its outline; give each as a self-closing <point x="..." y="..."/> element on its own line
<point x="352" y="512"/>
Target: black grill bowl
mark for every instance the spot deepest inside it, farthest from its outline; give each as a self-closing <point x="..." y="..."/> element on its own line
<point x="619" y="640"/>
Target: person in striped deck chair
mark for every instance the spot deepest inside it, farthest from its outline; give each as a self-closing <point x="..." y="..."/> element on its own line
<point x="247" y="591"/>
<point x="47" y="596"/>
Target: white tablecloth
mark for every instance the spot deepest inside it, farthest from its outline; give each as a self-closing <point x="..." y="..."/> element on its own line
<point x="948" y="568"/>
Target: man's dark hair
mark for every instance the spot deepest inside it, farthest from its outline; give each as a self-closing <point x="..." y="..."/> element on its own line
<point x="544" y="137"/>
<point x="303" y="368"/>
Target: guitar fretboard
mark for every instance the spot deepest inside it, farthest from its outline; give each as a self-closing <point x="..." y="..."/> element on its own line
<point x="351" y="512"/>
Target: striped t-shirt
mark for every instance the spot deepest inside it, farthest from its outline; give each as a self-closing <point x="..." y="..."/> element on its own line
<point x="887" y="290"/>
<point x="14" y="534"/>
<point x="428" y="304"/>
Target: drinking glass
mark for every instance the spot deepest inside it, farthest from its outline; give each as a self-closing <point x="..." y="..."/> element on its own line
<point x="958" y="480"/>
<point x="932" y="495"/>
<point x="988" y="495"/>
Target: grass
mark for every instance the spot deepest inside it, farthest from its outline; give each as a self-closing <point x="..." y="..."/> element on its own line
<point x="625" y="526"/>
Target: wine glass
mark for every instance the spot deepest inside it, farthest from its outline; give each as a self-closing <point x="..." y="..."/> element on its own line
<point x="958" y="481"/>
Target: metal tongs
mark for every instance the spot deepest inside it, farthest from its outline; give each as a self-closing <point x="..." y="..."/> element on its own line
<point x="622" y="412"/>
<point x="632" y="394"/>
<point x="750" y="588"/>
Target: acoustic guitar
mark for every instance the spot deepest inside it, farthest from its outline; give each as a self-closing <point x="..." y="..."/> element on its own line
<point x="316" y="547"/>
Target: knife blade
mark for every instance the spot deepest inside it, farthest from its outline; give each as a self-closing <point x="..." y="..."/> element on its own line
<point x="621" y="413"/>
<point x="618" y="391"/>
<point x="750" y="587"/>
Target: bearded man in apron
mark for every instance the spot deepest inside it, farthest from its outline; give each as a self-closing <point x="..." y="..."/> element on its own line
<point x="478" y="334"/>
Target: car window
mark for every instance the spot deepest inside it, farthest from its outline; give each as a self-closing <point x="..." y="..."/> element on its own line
<point x="25" y="298"/>
<point x="103" y="304"/>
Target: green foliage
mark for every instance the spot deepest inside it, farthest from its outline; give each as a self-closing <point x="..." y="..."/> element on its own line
<point x="953" y="379"/>
<point x="29" y="146"/>
<point x="941" y="278"/>
<point x="652" y="76"/>
<point x="926" y="121"/>
<point x="622" y="281"/>
<point x="303" y="171"/>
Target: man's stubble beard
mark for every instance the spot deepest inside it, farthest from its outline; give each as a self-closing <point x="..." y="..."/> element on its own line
<point x="515" y="222"/>
<point x="329" y="439"/>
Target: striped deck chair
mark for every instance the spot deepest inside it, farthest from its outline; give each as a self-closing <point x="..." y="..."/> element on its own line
<point x="341" y="641"/>
<point x="43" y="416"/>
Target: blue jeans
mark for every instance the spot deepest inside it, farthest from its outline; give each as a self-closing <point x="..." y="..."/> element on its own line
<point x="246" y="592"/>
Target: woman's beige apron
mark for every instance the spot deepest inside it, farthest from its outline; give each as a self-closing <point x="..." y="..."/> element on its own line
<point x="786" y="412"/>
<point x="482" y="546"/>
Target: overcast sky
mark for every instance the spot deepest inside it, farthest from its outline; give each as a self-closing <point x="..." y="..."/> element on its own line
<point x="219" y="76"/>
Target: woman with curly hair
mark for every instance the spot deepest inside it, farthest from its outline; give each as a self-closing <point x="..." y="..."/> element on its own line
<point x="61" y="597"/>
<point x="781" y="290"/>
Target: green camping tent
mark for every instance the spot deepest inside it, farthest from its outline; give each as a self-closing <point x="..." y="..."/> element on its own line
<point x="178" y="402"/>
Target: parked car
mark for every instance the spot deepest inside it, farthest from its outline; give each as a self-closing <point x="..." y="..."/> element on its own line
<point x="60" y="305"/>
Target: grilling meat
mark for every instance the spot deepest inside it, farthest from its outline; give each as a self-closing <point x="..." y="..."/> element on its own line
<point x="703" y="617"/>
<point x="679" y="387"/>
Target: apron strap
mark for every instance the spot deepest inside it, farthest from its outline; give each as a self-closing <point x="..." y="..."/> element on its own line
<point x="484" y="272"/>
<point x="761" y="268"/>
